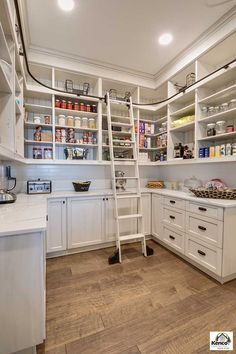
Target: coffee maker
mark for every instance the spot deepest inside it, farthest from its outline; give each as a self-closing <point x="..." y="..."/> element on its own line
<point x="6" y="196"/>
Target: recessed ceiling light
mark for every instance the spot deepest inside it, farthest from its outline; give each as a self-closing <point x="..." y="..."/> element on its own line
<point x="66" y="5"/>
<point x="165" y="38"/>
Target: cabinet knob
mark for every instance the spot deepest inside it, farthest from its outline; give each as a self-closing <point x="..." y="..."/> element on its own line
<point x="172" y="201"/>
<point x="202" y="209"/>
<point x="201" y="253"/>
<point x="172" y="217"/>
<point x="171" y="237"/>
<point x="202" y="228"/>
<point x="64" y="202"/>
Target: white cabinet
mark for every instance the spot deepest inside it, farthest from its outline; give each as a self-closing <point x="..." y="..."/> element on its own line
<point x="56" y="225"/>
<point x="146" y="210"/>
<point x="85" y="221"/>
<point x="157" y="216"/>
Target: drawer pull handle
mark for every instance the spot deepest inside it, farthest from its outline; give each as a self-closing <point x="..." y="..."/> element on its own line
<point x="172" y="217"/>
<point x="202" y="228"/>
<point x="201" y="252"/>
<point x="202" y="209"/>
<point x="172" y="237"/>
<point x="172" y="201"/>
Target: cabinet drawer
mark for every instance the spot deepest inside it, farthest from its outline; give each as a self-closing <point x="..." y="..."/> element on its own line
<point x="174" y="218"/>
<point x="205" y="229"/>
<point x="205" y="210"/>
<point x="174" y="202"/>
<point x="173" y="239"/>
<point x="208" y="256"/>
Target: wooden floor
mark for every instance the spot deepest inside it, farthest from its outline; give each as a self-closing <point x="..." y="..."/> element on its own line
<point x="158" y="304"/>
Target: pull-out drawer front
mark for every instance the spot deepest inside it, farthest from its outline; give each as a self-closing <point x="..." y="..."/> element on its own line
<point x="205" y="229"/>
<point x="208" y="256"/>
<point x="173" y="239"/>
<point x="174" y="202"/>
<point x="205" y="210"/>
<point x="174" y="217"/>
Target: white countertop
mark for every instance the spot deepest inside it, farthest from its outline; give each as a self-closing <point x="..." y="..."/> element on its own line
<point x="28" y="213"/>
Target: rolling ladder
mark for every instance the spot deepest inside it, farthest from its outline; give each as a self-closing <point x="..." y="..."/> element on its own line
<point x="133" y="160"/>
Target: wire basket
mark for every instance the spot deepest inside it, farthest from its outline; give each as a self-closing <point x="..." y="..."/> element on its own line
<point x="81" y="186"/>
<point x="215" y="194"/>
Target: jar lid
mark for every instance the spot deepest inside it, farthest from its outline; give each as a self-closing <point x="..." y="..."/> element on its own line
<point x="69" y="117"/>
<point x="84" y="118"/>
<point x="82" y="103"/>
<point x="61" y="116"/>
<point x="37" y="117"/>
<point x="57" y="99"/>
<point x="69" y="102"/>
<point x="221" y="122"/>
<point x="233" y="100"/>
<point x="37" y="148"/>
<point x="224" y="104"/>
<point x="50" y="149"/>
<point x="77" y="118"/>
<point x="211" y="124"/>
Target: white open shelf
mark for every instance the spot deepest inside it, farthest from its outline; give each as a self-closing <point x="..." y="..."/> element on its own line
<point x="183" y="128"/>
<point x="217" y="97"/>
<point x="4" y="50"/>
<point x="37" y="108"/>
<point x="229" y="114"/>
<point x="5" y="86"/>
<point x="71" y="112"/>
<point x="225" y="136"/>
<point x="186" y="109"/>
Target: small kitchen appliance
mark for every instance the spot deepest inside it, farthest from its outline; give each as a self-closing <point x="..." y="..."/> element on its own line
<point x="5" y="195"/>
<point x="39" y="186"/>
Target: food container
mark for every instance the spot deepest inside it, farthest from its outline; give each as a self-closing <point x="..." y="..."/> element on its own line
<point x="48" y="153"/>
<point x="217" y="151"/>
<point x="201" y="153"/>
<point x="234" y="149"/>
<point x="47" y="119"/>
<point x="211" y="129"/>
<point x="220" y="127"/>
<point x="85" y="138"/>
<point x="37" y="134"/>
<point x="229" y="128"/>
<point x="84" y="122"/>
<point x="77" y="122"/>
<point x="76" y="106"/>
<point x="210" y="111"/>
<point x="37" y="120"/>
<point x="206" y="151"/>
<point x="90" y="138"/>
<point x="232" y="103"/>
<point x="88" y="108"/>
<point x="204" y="111"/>
<point x="82" y="107"/>
<point x="63" y="104"/>
<point x="63" y="133"/>
<point x="69" y="105"/>
<point x="91" y="123"/>
<point x="70" y="121"/>
<point x="71" y="135"/>
<point x="94" y="108"/>
<point x="57" y="103"/>
<point x="212" y="151"/>
<point x="224" y="107"/>
<point x="37" y="153"/>
<point x="228" y="150"/>
<point x="58" y="135"/>
<point x="61" y="119"/>
<point x="222" y="150"/>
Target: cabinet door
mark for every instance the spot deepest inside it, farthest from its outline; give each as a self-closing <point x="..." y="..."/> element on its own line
<point x="146" y="210"/>
<point x="127" y="227"/>
<point x="56" y="225"/>
<point x="157" y="216"/>
<point x="85" y="221"/>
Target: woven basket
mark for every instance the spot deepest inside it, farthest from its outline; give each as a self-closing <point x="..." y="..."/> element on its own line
<point x="201" y="193"/>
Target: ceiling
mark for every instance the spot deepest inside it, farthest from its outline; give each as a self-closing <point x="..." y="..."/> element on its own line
<point x="123" y="33"/>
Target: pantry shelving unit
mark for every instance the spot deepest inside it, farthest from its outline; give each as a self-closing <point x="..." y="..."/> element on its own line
<point x="17" y="124"/>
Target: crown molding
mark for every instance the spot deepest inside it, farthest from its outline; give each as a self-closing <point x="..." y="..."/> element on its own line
<point x="221" y="29"/>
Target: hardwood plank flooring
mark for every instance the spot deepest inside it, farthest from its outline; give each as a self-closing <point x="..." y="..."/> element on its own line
<point x="159" y="304"/>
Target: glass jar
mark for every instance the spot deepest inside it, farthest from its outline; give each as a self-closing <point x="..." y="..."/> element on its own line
<point x="58" y="135"/>
<point x="76" y="106"/>
<point x="77" y="122"/>
<point x="71" y="135"/>
<point x="70" y="121"/>
<point x="234" y="149"/>
<point x="91" y="123"/>
<point x="88" y="108"/>
<point x="61" y="119"/>
<point x="69" y="105"/>
<point x="48" y="153"/>
<point x="94" y="107"/>
<point x="232" y="103"/>
<point x="84" y="122"/>
<point x="220" y="127"/>
<point x="164" y="127"/>
<point x="37" y="153"/>
<point x="204" y="111"/>
<point x="230" y="128"/>
<point x="37" y="120"/>
<point x="211" y="129"/>
<point x="224" y="107"/>
<point x="47" y="119"/>
<point x="82" y="107"/>
<point x="211" y="110"/>
<point x="216" y="109"/>
<point x="63" y="104"/>
<point x="57" y="103"/>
